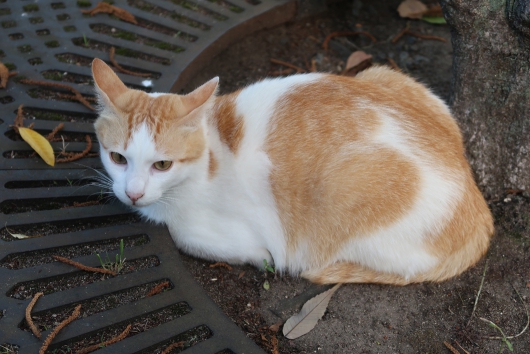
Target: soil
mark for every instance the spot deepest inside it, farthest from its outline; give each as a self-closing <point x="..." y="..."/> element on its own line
<point x="366" y="318"/>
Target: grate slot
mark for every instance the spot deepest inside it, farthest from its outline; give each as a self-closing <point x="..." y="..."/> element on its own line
<point x="20" y="260"/>
<point x="169" y="18"/>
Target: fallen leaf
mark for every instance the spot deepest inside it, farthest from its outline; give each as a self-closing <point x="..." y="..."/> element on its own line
<point x="241" y="275"/>
<point x="19" y="236"/>
<point x="357" y="62"/>
<point x="266" y="285"/>
<point x="39" y="144"/>
<point x="412" y="9"/>
<point x="434" y="20"/>
<point x="275" y="327"/>
<point x="528" y="285"/>
<point x="307" y="318"/>
<point x="4" y="75"/>
<point x="274" y="342"/>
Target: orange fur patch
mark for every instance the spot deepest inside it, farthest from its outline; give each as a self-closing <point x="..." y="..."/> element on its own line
<point x="230" y="126"/>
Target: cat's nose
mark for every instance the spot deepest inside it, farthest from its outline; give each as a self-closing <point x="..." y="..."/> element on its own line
<point x="134" y="196"/>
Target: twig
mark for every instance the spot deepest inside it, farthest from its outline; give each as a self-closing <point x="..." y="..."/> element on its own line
<point x="401" y="33"/>
<point x="281" y="62"/>
<point x="82" y="266"/>
<point x="77" y="94"/>
<point x="73" y="156"/>
<point x="220" y="264"/>
<point x="515" y="191"/>
<point x="173" y="346"/>
<point x="465" y="351"/>
<point x="34" y="329"/>
<point x="393" y="64"/>
<point x="19" y="119"/>
<point x="56" y="330"/>
<point x="120" y="68"/>
<point x="79" y="205"/>
<point x="116" y="339"/>
<point x="406" y="30"/>
<point x="281" y="72"/>
<point x="50" y="136"/>
<point x="451" y="348"/>
<point x="103" y="7"/>
<point x="520" y="333"/>
<point x="478" y="294"/>
<point x="344" y="34"/>
<point x="72" y="97"/>
<point x="157" y="289"/>
<point x="426" y="36"/>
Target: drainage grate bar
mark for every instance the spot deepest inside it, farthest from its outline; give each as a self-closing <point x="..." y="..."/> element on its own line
<point x="61" y="215"/>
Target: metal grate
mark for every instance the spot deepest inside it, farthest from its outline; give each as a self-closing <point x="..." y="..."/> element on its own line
<point x="51" y="40"/>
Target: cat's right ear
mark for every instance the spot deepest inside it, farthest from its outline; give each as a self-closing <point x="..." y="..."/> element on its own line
<point x="108" y="84"/>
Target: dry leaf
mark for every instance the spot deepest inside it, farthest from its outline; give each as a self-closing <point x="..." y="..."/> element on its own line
<point x="357" y="61"/>
<point x="39" y="144"/>
<point x="307" y="318"/>
<point x="412" y="9"/>
<point x="276" y="327"/>
<point x="241" y="275"/>
<point x="4" y="75"/>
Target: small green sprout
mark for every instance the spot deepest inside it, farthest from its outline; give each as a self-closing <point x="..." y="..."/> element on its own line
<point x="119" y="262"/>
<point x="268" y="267"/>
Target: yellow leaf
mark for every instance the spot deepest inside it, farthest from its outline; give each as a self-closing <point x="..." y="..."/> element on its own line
<point x="39" y="144"/>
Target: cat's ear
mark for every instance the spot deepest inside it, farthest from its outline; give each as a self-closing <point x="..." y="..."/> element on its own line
<point x="198" y="97"/>
<point x="108" y="84"/>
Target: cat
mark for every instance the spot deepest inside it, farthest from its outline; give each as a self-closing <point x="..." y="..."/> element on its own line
<point x="332" y="178"/>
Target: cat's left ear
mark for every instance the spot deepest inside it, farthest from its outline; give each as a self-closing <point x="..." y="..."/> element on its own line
<point x="199" y="97"/>
<point x="108" y="84"/>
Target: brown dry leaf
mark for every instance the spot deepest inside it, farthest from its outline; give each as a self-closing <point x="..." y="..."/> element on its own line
<point x="4" y="75"/>
<point x="412" y="9"/>
<point x="276" y="327"/>
<point x="307" y="318"/>
<point x="39" y="144"/>
<point x="528" y="285"/>
<point x="357" y="61"/>
<point x="241" y="275"/>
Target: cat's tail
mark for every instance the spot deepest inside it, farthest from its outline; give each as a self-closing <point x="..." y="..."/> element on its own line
<point x="345" y="272"/>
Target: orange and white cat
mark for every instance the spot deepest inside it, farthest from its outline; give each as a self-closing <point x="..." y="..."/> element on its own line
<point x="337" y="179"/>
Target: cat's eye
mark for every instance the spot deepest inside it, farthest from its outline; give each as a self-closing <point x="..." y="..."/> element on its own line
<point x="162" y="165"/>
<point x="118" y="158"/>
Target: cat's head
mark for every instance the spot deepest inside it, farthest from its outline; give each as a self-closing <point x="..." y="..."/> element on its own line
<point x="149" y="143"/>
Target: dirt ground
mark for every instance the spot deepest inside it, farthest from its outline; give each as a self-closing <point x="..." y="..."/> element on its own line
<point x="374" y="318"/>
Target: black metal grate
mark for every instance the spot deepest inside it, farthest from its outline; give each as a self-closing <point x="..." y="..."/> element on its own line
<point x="51" y="40"/>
